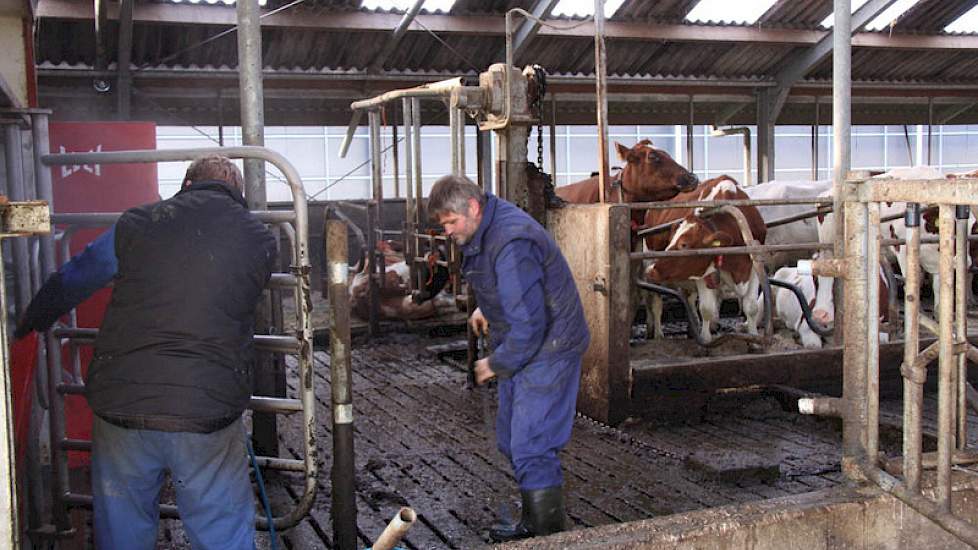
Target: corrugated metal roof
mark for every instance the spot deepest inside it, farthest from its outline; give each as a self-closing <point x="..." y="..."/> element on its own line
<point x="65" y="41"/>
<point x="67" y="45"/>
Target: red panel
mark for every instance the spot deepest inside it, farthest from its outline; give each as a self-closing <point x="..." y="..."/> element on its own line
<point x="97" y="188"/>
<point x="23" y="358"/>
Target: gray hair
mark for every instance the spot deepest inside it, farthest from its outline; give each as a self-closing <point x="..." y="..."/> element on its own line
<point x="451" y="194"/>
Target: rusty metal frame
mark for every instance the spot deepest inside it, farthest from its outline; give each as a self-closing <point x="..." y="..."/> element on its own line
<point x="860" y="401"/>
<point x="17" y="219"/>
<point x="300" y="345"/>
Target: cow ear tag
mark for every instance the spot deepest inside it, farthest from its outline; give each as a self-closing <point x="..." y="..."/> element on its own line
<point x="716" y="243"/>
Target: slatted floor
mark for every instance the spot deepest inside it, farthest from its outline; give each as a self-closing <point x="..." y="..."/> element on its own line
<point x="421" y="441"/>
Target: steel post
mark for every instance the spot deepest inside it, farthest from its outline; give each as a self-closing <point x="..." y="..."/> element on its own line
<point x="856" y="336"/>
<point x="9" y="511"/>
<point x="961" y="322"/>
<point x="841" y="128"/>
<point x="872" y="332"/>
<point x="252" y="97"/>
<point x="418" y="180"/>
<point x="947" y="361"/>
<point x="17" y="191"/>
<point x="913" y="378"/>
<point x="375" y="223"/>
<point x="601" y="92"/>
<point x="410" y="208"/>
<point x="553" y="140"/>
<point x="343" y="475"/>
<point x="453" y="116"/>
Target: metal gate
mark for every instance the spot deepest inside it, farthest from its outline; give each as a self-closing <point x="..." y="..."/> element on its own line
<point x="296" y="227"/>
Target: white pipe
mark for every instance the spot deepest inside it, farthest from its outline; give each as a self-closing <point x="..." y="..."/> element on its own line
<point x="395" y="530"/>
<point x="717" y="132"/>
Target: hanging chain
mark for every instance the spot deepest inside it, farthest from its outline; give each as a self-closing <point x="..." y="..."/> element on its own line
<point x="540" y="75"/>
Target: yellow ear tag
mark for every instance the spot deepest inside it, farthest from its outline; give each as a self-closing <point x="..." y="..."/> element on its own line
<point x="716" y="243"/>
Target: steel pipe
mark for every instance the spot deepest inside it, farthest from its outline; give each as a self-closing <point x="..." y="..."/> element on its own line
<point x="410" y="210"/>
<point x="841" y="139"/>
<point x="17" y="192"/>
<point x="344" y="509"/>
<point x="872" y="332"/>
<point x="727" y="250"/>
<point x="433" y="90"/>
<point x="947" y="364"/>
<point x="961" y="280"/>
<point x="601" y="98"/>
<point x="735" y="202"/>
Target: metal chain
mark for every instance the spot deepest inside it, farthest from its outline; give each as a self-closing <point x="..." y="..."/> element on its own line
<point x="627" y="438"/>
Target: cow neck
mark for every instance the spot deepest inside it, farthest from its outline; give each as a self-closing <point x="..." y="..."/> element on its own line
<point x="711" y="226"/>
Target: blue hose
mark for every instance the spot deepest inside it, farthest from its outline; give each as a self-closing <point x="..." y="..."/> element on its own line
<point x="264" y="496"/>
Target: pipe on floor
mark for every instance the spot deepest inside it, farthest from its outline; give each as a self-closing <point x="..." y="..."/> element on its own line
<point x="396" y="529"/>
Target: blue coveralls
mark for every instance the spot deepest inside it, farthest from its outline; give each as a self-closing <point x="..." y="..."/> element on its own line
<point x="538" y="335"/>
<point x="209" y="471"/>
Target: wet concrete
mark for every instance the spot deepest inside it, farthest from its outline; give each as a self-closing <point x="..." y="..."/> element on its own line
<point x="421" y="441"/>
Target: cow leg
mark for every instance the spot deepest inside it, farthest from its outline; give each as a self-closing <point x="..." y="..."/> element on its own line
<point x="747" y="293"/>
<point x="709" y="309"/>
<point x="653" y="316"/>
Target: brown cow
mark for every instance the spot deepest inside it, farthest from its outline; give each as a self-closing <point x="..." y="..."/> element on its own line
<point x="395" y="298"/>
<point x="709" y="278"/>
<point x="649" y="174"/>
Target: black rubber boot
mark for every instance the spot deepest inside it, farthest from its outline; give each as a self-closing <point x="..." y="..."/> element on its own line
<point x="543" y="514"/>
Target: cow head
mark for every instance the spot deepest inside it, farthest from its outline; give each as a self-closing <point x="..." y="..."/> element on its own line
<point x="433" y="277"/>
<point x="650" y="174"/>
<point x="693" y="233"/>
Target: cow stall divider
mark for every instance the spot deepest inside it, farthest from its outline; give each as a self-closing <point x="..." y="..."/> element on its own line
<point x="600" y="259"/>
<point x="299" y="345"/>
<point x="859" y="405"/>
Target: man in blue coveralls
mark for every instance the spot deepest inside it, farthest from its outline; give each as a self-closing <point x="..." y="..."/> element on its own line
<point x="526" y="294"/>
<point x="171" y="374"/>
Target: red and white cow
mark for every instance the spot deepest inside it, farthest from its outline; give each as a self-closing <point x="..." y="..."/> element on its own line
<point x="396" y="302"/>
<point x="708" y="278"/>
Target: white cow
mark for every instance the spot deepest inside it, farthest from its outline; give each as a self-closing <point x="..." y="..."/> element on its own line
<point x="929" y="253"/>
<point x="802" y="231"/>
<point x="788" y="310"/>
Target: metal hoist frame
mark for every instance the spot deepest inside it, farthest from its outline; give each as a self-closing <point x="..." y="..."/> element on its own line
<point x="300" y="345"/>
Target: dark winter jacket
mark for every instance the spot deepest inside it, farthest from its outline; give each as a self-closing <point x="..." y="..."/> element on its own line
<point x="175" y="350"/>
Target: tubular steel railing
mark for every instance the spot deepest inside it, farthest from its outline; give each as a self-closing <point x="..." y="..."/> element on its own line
<point x="859" y="406"/>
<point x="300" y="345"/>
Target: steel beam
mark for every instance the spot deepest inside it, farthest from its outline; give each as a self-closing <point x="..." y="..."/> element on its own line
<point x="801" y="64"/>
<point x="207" y="15"/>
<point x="395" y="39"/>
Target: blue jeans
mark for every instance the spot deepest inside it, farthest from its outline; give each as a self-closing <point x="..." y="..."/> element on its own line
<point x="536" y="414"/>
<point x="209" y="473"/>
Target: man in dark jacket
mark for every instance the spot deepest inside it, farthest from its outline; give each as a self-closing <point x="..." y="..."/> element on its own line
<point x="527" y="295"/>
<point x="171" y="373"/>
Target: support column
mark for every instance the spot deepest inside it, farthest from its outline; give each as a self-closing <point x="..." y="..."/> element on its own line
<point x="269" y="372"/>
<point x="765" y="137"/>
